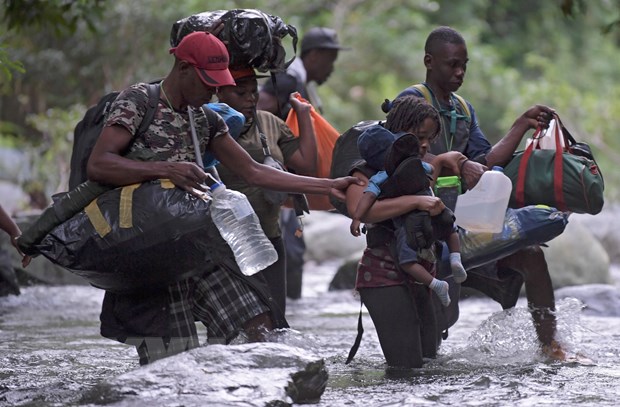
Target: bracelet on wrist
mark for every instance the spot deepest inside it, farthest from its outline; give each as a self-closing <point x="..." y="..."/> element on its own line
<point x="462" y="165"/>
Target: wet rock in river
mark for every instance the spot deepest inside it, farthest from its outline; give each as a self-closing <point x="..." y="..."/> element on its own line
<point x="255" y="374"/>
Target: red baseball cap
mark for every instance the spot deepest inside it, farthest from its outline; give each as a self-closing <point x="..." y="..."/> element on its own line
<point x="209" y="57"/>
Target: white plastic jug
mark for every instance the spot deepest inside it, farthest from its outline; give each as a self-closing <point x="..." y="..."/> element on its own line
<point x="483" y="208"/>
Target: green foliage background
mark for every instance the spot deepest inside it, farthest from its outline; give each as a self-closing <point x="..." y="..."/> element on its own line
<point x="521" y="53"/>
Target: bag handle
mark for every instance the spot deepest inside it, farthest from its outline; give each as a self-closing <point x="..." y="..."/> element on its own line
<point x="558" y="169"/>
<point x="571" y="143"/>
<point x="569" y="140"/>
<point x="520" y="187"/>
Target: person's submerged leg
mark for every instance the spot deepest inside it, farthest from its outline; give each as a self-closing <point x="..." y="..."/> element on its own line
<point x="275" y="275"/>
<point x="227" y="305"/>
<point x="295" y="247"/>
<point x="395" y="316"/>
<point x="158" y="322"/>
<point x="429" y="330"/>
<point x="531" y="263"/>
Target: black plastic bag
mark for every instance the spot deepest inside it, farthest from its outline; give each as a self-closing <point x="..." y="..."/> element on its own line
<point x="65" y="206"/>
<point x="149" y="234"/>
<point x="253" y="38"/>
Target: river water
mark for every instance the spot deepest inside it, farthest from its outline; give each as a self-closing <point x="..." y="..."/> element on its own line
<point x="51" y="352"/>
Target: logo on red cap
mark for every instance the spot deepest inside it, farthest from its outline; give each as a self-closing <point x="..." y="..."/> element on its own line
<point x="208" y="55"/>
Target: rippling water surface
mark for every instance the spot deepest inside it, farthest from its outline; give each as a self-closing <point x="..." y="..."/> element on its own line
<point x="51" y="353"/>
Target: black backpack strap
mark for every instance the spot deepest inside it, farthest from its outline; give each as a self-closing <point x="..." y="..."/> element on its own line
<point x="358" y="338"/>
<point x="275" y="90"/>
<point x="212" y="117"/>
<point x="152" y="90"/>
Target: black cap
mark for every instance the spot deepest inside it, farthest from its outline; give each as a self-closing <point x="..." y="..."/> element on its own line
<point x="321" y="38"/>
<point x="373" y="145"/>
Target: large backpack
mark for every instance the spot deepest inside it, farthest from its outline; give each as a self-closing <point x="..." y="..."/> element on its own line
<point x="87" y="131"/>
<point x="346" y="156"/>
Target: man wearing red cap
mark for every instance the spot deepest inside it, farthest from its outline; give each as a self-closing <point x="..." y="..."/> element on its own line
<point x="160" y="321"/>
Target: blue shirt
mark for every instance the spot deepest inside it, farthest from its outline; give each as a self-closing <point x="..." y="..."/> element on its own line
<point x="374" y="183"/>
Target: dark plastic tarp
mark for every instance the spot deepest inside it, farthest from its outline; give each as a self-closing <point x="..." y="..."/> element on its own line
<point x="167" y="238"/>
<point x="253" y="38"/>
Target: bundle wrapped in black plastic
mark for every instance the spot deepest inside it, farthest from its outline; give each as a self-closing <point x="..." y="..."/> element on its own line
<point x="534" y="224"/>
<point x="253" y="38"/>
<point x="65" y="205"/>
<point x="136" y="236"/>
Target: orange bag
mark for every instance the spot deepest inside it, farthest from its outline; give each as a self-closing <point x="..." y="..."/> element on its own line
<point x="326" y="136"/>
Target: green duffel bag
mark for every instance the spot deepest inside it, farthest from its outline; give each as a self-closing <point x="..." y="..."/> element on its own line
<point x="567" y="178"/>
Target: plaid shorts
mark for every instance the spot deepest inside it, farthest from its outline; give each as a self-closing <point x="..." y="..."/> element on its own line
<point x="182" y="333"/>
<point x="221" y="301"/>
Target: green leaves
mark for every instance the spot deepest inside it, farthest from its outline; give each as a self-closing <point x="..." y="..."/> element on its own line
<point x="61" y="15"/>
<point x="7" y="68"/>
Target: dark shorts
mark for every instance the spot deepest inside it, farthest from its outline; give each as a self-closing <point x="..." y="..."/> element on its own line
<point x="502" y="284"/>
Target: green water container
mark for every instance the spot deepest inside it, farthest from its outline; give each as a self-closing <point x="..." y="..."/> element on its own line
<point x="448" y="189"/>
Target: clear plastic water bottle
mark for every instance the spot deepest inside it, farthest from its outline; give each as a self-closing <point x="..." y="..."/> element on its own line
<point x="483" y="208"/>
<point x="238" y="224"/>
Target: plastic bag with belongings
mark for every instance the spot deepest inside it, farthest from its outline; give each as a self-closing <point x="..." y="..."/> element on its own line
<point x="136" y="236"/>
<point x="534" y="224"/>
<point x="252" y="37"/>
<point x="326" y="136"/>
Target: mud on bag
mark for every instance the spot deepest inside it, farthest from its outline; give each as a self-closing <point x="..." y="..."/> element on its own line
<point x="139" y="235"/>
<point x="566" y="177"/>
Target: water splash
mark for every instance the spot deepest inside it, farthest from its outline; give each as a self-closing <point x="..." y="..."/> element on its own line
<point x="508" y="338"/>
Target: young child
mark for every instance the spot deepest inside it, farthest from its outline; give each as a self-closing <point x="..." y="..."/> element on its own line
<point x="402" y="172"/>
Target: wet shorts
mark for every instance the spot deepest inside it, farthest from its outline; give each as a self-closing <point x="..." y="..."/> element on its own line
<point x="224" y="303"/>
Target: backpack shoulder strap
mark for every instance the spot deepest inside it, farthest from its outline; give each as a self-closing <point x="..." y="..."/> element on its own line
<point x="464" y="105"/>
<point x="425" y="91"/>
<point x="153" y="90"/>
